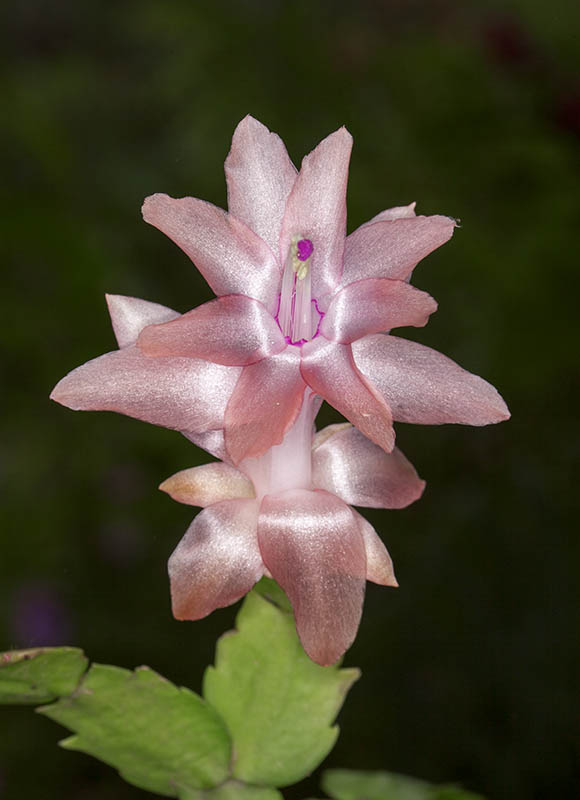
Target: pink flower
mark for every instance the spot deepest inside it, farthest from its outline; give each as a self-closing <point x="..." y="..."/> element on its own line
<point x="287" y="515"/>
<point x="300" y="305"/>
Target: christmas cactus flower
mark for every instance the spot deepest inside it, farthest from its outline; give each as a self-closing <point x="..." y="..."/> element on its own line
<point x="287" y="514"/>
<point x="300" y="305"/>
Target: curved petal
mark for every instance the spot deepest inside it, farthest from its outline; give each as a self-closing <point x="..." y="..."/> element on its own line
<point x="362" y="474"/>
<point x="316" y="209"/>
<point x="208" y="484"/>
<point x="230" y="256"/>
<point x="379" y="564"/>
<point x="260" y="176"/>
<point x="217" y="561"/>
<point x="329" y="369"/>
<point x="264" y="405"/>
<point x="313" y="547"/>
<point x="180" y="393"/>
<point x="393" y="248"/>
<point x="424" y="386"/>
<point x="130" y="315"/>
<point x="232" y="330"/>
<point x="372" y="305"/>
<point x="398" y="212"/>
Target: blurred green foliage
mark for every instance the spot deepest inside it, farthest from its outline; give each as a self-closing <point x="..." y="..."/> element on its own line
<point x="473" y="110"/>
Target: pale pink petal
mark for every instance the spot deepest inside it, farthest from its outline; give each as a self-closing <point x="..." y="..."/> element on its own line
<point x="362" y="474"/>
<point x="232" y="330"/>
<point x="312" y="545"/>
<point x="260" y="176"/>
<point x="379" y="564"/>
<point x="398" y="212"/>
<point x="424" y="386"/>
<point x="130" y="315"/>
<point x="208" y="484"/>
<point x="217" y="561"/>
<point x="393" y="248"/>
<point x="211" y="441"/>
<point x="180" y="393"/>
<point x="316" y="210"/>
<point x="231" y="257"/>
<point x="374" y="304"/>
<point x="329" y="369"/>
<point x="325" y="433"/>
<point x="265" y="403"/>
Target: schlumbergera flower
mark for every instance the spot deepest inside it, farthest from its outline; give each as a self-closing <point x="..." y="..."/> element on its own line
<point x="300" y="305"/>
<point x="286" y="514"/>
<point x="302" y="313"/>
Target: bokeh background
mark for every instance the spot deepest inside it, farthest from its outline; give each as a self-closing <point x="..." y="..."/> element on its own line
<point x="471" y="109"/>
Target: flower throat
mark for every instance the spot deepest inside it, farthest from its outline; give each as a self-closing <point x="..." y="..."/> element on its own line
<point x="295" y="316"/>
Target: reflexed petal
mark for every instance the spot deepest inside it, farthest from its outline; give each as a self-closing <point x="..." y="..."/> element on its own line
<point x="316" y="209"/>
<point x="232" y="330"/>
<point x="393" y="248"/>
<point x="424" y="386"/>
<point x="379" y="564"/>
<point x="208" y="484"/>
<point x="265" y="403"/>
<point x="398" y="212"/>
<point x="130" y="315"/>
<point x="329" y="369"/>
<point x="181" y="393"/>
<point x="260" y="176"/>
<point x="372" y="305"/>
<point x="217" y="561"/>
<point x="231" y="257"/>
<point x="362" y="474"/>
<point x="325" y="433"/>
<point x="313" y="547"/>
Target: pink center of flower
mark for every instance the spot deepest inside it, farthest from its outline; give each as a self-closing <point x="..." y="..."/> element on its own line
<point x="298" y="314"/>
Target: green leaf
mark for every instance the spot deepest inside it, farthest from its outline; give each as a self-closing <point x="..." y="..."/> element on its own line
<point x="233" y="790"/>
<point x="279" y="705"/>
<point x="160" y="737"/>
<point x="344" y="784"/>
<point x="41" y="675"/>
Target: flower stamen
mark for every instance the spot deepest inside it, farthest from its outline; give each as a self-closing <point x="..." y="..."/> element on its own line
<point x="295" y="312"/>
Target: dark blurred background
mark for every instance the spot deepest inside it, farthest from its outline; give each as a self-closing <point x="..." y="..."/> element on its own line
<point x="471" y="109"/>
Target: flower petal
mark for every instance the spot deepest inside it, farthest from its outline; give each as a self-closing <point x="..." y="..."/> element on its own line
<point x="313" y="547"/>
<point x="130" y="315"/>
<point x="182" y="393"/>
<point x="393" y="248"/>
<point x="362" y="474"/>
<point x="260" y="176"/>
<point x="230" y="256"/>
<point x="232" y="330"/>
<point x="217" y="561"/>
<point x="398" y="212"/>
<point x="424" y="386"/>
<point x="265" y="403"/>
<point x="375" y="304"/>
<point x="379" y="563"/>
<point x="208" y="484"/>
<point x="329" y="369"/>
<point x="316" y="210"/>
